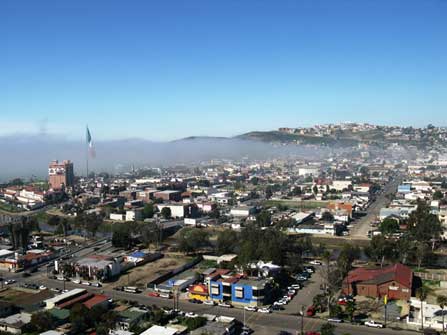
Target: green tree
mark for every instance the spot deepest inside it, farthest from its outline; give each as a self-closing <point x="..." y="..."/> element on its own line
<point x="79" y="319"/>
<point x="438" y="195"/>
<point x="121" y="236"/>
<point x="380" y="249"/>
<point x="268" y="192"/>
<point x="42" y="321"/>
<point x="150" y="233"/>
<point x="424" y="226"/>
<point x="389" y="226"/>
<point x="192" y="239"/>
<point x="148" y="211"/>
<point x="263" y="219"/>
<point x="350" y="309"/>
<point x="346" y="257"/>
<point x="166" y="213"/>
<point x="227" y="242"/>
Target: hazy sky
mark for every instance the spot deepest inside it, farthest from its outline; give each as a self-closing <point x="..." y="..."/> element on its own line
<point x="167" y="69"/>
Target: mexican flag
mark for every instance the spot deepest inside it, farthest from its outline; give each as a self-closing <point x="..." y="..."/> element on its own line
<point x="91" y="150"/>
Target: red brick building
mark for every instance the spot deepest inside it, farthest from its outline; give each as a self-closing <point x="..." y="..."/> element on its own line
<point x="60" y="174"/>
<point x="395" y="281"/>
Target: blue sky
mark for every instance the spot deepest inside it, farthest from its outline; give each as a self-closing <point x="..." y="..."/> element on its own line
<point x="163" y="70"/>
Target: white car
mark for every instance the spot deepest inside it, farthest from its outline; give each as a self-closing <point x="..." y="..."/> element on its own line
<point x="373" y="324"/>
<point x="76" y="281"/>
<point x="42" y="287"/>
<point x="191" y="315"/>
<point x="225" y="304"/>
<point x="250" y="308"/>
<point x="86" y="283"/>
<point x="264" y="310"/>
<point x="97" y="285"/>
<point x="209" y="302"/>
<point x="315" y="262"/>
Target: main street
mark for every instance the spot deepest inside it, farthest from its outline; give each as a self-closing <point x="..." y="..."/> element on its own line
<point x="264" y="324"/>
<point x="362" y="226"/>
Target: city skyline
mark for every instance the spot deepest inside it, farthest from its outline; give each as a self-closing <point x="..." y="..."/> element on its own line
<point x="163" y="72"/>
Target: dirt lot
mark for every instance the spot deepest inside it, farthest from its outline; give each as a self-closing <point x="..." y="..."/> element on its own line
<point x="141" y="275"/>
<point x="24" y="299"/>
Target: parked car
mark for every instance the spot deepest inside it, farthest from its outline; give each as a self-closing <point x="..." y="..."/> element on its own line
<point x="195" y="301"/>
<point x="191" y="315"/>
<point x="374" y="324"/>
<point x="225" y="304"/>
<point x="9" y="281"/>
<point x="310" y="311"/>
<point x="335" y="320"/>
<point x="251" y="308"/>
<point x="264" y="310"/>
<point x="315" y="262"/>
<point x="153" y="294"/>
<point x="209" y="302"/>
<point x="76" y="281"/>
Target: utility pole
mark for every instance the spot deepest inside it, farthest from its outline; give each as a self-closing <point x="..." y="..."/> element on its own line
<point x="302" y="320"/>
<point x="385" y="302"/>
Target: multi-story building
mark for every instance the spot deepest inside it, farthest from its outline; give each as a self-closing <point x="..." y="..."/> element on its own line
<point x="60" y="174"/>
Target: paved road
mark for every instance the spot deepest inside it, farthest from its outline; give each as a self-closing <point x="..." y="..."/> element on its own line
<point x="362" y="226"/>
<point x="262" y="323"/>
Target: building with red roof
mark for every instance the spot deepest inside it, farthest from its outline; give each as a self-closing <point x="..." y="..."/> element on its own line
<point x="394" y="281"/>
<point x="97" y="300"/>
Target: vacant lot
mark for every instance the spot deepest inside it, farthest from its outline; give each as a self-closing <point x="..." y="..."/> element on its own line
<point x="142" y="275"/>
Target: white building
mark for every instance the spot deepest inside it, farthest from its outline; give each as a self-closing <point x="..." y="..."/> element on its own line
<point x="432" y="315"/>
<point x="340" y="185"/>
<point x="243" y="211"/>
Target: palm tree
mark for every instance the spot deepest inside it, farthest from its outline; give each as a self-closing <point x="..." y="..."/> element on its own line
<point x="421" y="294"/>
<point x="442" y="302"/>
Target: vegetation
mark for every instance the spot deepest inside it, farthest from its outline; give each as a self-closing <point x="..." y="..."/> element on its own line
<point x="192" y="240"/>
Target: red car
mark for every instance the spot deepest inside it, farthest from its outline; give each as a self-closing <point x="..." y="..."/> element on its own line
<point x="154" y="294"/>
<point x="310" y="311"/>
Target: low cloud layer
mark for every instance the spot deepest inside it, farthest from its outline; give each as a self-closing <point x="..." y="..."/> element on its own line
<point x="24" y="156"/>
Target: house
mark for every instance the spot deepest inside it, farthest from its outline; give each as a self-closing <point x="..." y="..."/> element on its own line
<point x="180" y="210"/>
<point x="243" y="211"/>
<point x="394" y="281"/>
<point x="432" y="315"/>
<point x="15" y="323"/>
<point x="130" y="317"/>
<point x="168" y="195"/>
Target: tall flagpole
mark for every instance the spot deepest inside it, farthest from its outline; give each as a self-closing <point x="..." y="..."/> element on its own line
<point x="86" y="151"/>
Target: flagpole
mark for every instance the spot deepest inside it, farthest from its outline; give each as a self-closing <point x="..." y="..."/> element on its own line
<point x="86" y="151"/>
